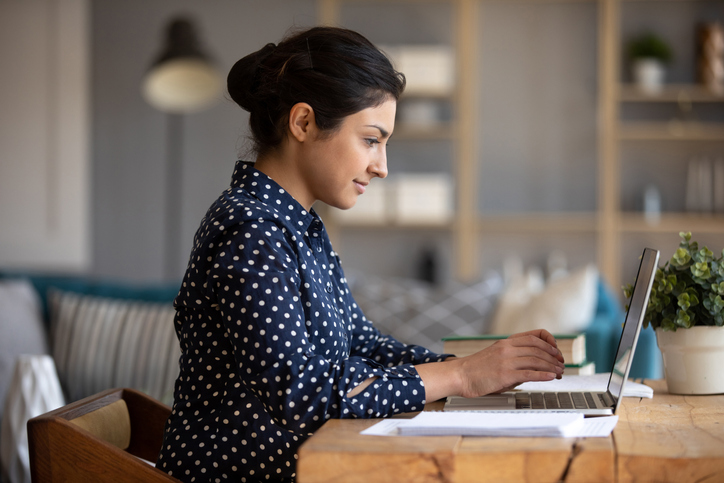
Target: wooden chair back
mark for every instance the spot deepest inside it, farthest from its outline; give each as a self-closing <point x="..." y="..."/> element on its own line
<point x="102" y="438"/>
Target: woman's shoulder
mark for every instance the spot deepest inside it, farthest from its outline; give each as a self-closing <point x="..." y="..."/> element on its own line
<point x="237" y="209"/>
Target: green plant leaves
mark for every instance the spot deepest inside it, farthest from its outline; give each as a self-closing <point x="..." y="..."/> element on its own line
<point x="684" y="319"/>
<point x="714" y="304"/>
<point x="688" y="290"/>
<point x="650" y="45"/>
<point x="700" y="270"/>
<point x="687" y="299"/>
<point x="681" y="258"/>
<point x="718" y="267"/>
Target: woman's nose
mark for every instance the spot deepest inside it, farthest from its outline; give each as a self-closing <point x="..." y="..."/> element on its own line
<point x="379" y="166"/>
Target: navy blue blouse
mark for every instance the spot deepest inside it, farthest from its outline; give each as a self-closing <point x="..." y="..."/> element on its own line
<point x="272" y="341"/>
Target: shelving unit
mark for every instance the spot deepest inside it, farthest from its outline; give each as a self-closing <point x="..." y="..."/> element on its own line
<point x="670" y="131"/>
<point x="672" y="223"/>
<point x="539" y="223"/>
<point x="680" y="93"/>
<point x="459" y="131"/>
<point x="609" y="225"/>
<point x="414" y="133"/>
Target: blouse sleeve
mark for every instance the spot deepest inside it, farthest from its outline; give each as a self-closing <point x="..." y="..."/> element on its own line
<point x="256" y="286"/>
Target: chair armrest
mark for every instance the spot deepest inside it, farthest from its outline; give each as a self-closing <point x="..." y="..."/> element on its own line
<point x="148" y="420"/>
<point x="90" y="458"/>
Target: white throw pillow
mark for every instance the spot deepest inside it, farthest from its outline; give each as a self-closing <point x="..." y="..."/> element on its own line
<point x="34" y="390"/>
<point x="21" y="328"/>
<point x="565" y="305"/>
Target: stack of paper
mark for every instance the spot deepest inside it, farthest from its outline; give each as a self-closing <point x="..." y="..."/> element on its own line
<point x="589" y="428"/>
<point x="520" y="423"/>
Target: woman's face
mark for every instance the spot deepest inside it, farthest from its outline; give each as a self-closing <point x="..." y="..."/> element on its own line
<point x="338" y="168"/>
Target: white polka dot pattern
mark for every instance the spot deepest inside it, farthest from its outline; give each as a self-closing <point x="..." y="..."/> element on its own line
<point x="272" y="341"/>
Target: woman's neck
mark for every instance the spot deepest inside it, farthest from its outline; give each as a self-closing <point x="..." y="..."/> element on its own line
<point x="283" y="171"/>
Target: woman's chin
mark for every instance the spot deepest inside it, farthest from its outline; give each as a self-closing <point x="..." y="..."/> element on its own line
<point x="344" y="204"/>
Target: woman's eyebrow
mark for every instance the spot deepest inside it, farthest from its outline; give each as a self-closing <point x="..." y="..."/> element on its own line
<point x="383" y="131"/>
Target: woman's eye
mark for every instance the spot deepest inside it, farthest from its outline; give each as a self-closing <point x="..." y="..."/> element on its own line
<point x="371" y="141"/>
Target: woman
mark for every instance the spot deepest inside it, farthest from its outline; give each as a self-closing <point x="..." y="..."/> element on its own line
<point x="272" y="342"/>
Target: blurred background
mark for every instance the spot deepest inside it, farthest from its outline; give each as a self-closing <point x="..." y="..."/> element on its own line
<point x="523" y="135"/>
<point x="539" y="147"/>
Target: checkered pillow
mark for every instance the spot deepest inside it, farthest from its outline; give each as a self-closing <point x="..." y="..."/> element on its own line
<point x="415" y="312"/>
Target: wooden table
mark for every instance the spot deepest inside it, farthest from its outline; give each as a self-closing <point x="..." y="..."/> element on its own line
<point x="667" y="438"/>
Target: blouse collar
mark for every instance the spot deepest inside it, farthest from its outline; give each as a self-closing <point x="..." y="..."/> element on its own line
<point x="269" y="192"/>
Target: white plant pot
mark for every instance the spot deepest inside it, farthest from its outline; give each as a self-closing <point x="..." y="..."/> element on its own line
<point x="649" y="75"/>
<point x="693" y="359"/>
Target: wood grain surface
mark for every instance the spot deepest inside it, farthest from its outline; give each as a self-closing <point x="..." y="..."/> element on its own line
<point x="669" y="438"/>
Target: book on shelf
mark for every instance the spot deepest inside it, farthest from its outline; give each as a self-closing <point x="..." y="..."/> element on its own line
<point x="572" y="346"/>
<point x="586" y="368"/>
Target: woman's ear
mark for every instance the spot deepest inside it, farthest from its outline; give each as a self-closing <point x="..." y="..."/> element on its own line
<point x="301" y="121"/>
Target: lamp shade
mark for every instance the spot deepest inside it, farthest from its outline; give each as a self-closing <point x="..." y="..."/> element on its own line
<point x="183" y="79"/>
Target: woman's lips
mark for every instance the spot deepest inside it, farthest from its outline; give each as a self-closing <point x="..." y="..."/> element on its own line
<point x="360" y="187"/>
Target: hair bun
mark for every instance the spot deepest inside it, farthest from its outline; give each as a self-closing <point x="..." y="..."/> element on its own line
<point x="243" y="79"/>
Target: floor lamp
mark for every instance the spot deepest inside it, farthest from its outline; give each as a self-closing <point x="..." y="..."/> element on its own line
<point x="182" y="80"/>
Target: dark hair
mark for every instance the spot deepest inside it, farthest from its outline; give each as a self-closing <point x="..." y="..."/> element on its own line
<point x="336" y="71"/>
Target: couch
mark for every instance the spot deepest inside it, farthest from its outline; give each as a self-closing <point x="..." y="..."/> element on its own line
<point x="103" y="334"/>
<point x="98" y="334"/>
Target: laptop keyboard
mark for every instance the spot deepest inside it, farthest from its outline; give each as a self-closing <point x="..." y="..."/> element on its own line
<point x="557" y="400"/>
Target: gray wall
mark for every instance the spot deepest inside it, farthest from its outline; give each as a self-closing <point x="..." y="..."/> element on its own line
<point x="129" y="136"/>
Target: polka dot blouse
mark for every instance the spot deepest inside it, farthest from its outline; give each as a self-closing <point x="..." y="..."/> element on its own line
<point x="272" y="341"/>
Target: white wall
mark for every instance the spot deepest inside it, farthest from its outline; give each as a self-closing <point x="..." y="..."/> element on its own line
<point x="44" y="134"/>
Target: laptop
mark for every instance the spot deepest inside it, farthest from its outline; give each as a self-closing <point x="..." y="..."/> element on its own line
<point x="588" y="403"/>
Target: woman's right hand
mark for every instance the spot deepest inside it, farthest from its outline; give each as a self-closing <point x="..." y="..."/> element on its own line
<point x="528" y="356"/>
<point x="505" y="364"/>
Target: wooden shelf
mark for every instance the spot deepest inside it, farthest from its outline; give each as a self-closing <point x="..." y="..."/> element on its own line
<point x="539" y="223"/>
<point x="431" y="94"/>
<point x="507" y="223"/>
<point x="670" y="131"/>
<point x="673" y="223"/>
<point x="678" y="93"/>
<point x="390" y="225"/>
<point x="437" y="132"/>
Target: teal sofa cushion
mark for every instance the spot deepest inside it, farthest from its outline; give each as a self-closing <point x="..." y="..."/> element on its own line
<point x="163" y="292"/>
<point x="604" y="332"/>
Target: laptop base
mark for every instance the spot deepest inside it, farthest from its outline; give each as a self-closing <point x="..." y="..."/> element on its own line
<point x="506" y="402"/>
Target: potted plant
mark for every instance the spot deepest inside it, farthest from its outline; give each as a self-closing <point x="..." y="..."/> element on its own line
<point x="686" y="308"/>
<point x="649" y="54"/>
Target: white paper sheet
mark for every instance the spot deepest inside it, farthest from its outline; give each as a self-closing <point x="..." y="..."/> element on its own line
<point x="520" y="423"/>
<point x="599" y="427"/>
<point x="386" y="427"/>
<point x="595" y="383"/>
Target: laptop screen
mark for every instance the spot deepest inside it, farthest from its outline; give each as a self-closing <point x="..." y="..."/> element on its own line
<point x="632" y="324"/>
